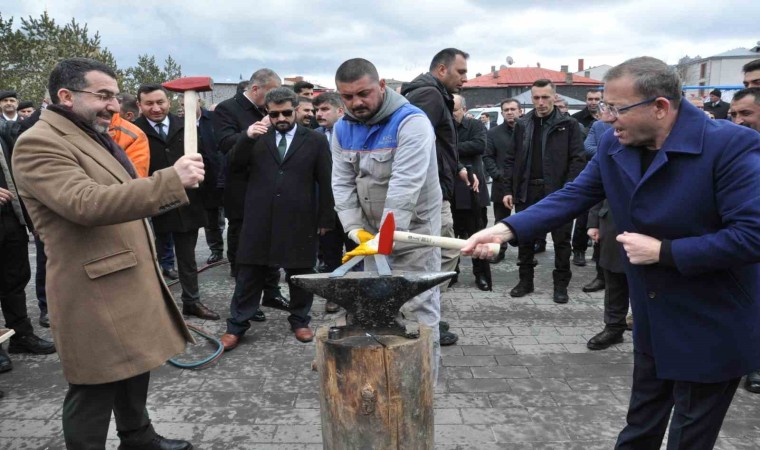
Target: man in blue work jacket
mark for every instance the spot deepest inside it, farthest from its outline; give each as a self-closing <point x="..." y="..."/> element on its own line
<point x="685" y="194"/>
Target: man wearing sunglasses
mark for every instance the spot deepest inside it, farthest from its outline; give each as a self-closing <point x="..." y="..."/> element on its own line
<point x="684" y="193"/>
<point x="288" y="205"/>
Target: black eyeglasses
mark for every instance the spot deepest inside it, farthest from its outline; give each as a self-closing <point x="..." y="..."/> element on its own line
<point x="604" y="108"/>
<point x="276" y="114"/>
<point x="103" y="96"/>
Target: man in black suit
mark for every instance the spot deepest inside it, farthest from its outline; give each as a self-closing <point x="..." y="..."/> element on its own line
<point x="166" y="138"/>
<point x="498" y="141"/>
<point x="232" y="118"/>
<point x="469" y="208"/>
<point x="288" y="204"/>
<point x="716" y="106"/>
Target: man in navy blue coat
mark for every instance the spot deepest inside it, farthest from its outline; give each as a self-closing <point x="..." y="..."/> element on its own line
<point x="685" y="194"/>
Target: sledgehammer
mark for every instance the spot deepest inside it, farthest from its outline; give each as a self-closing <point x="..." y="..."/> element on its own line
<point x="190" y="86"/>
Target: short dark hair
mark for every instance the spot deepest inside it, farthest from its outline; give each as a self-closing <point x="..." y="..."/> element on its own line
<point x="593" y="91"/>
<point x="543" y="82"/>
<point x="652" y="78"/>
<point x="298" y="86"/>
<point x="751" y="66"/>
<point x="262" y="77"/>
<point x="333" y="98"/>
<point x="69" y="74"/>
<point x="302" y="99"/>
<point x="446" y="57"/>
<point x="148" y="88"/>
<point x="355" y="69"/>
<point x="281" y="95"/>
<point x="746" y="92"/>
<point x="129" y="103"/>
<point x="510" y="100"/>
<point x="241" y="87"/>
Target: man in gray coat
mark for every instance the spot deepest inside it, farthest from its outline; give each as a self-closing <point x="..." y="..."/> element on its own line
<point x="384" y="160"/>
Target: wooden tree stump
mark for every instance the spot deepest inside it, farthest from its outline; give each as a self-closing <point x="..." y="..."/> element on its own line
<point x="376" y="393"/>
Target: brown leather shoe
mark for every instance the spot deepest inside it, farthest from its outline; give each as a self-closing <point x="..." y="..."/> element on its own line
<point x="331" y="307"/>
<point x="229" y="341"/>
<point x="199" y="310"/>
<point x="304" y="334"/>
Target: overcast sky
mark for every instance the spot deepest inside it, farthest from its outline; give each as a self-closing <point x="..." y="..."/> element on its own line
<point x="227" y="39"/>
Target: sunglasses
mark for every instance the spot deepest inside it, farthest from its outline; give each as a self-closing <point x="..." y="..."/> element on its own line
<point x="276" y="114"/>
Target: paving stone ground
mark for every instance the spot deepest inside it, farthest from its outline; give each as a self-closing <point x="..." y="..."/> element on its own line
<point x="519" y="378"/>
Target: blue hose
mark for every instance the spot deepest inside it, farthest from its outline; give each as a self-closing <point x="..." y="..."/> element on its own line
<point x="202" y="364"/>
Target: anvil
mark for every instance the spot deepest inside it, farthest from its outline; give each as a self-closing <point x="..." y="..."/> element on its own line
<point x="372" y="301"/>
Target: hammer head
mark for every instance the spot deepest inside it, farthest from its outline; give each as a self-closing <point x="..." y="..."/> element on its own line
<point x="385" y="238"/>
<point x="197" y="84"/>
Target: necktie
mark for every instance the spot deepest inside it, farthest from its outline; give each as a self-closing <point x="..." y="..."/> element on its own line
<point x="282" y="147"/>
<point x="161" y="133"/>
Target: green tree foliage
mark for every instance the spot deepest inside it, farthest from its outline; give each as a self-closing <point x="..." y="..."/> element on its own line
<point x="29" y="53"/>
<point x="147" y="72"/>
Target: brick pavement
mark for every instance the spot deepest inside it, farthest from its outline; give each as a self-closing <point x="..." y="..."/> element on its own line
<point x="519" y="378"/>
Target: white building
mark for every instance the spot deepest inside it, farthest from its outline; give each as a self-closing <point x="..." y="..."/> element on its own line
<point x="723" y="69"/>
<point x="596" y="72"/>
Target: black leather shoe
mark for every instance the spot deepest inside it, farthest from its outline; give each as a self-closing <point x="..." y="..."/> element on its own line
<point x="170" y="274"/>
<point x="539" y="247"/>
<point x="259" y="316"/>
<point x="44" y="320"/>
<point x="605" y="339"/>
<point x="200" y="311"/>
<point x="560" y="294"/>
<point x="454" y="280"/>
<point x="752" y="383"/>
<point x="595" y="285"/>
<point x="30" y="343"/>
<point x="482" y="283"/>
<point x="579" y="258"/>
<point x="443" y="326"/>
<point x="159" y="443"/>
<point x="522" y="289"/>
<point x="214" y="258"/>
<point x="276" y="302"/>
<point x="448" y="338"/>
<point x="5" y="361"/>
<point x="500" y="257"/>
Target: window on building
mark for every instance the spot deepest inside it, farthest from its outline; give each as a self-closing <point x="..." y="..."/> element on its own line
<point x="702" y="70"/>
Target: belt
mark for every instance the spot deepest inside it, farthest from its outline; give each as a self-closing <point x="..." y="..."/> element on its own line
<point x="536" y="182"/>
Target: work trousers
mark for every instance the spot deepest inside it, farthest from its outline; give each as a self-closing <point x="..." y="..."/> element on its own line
<point x="449" y="257"/>
<point x="87" y="413"/>
<point x="698" y="410"/>
<point x="187" y="268"/>
<point x="249" y="285"/>
<point x="15" y="272"/>
<point x="562" y="249"/>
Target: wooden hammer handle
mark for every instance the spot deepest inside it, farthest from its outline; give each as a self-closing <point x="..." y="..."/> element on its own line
<point x="437" y="241"/>
<point x="191" y="130"/>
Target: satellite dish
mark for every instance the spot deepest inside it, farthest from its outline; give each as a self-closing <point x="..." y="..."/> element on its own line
<point x="510" y="61"/>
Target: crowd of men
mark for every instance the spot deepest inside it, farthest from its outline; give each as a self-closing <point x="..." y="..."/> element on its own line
<point x="302" y="183"/>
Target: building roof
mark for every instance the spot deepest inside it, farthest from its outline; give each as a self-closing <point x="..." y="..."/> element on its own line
<point x="525" y="76"/>
<point x="736" y="53"/>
